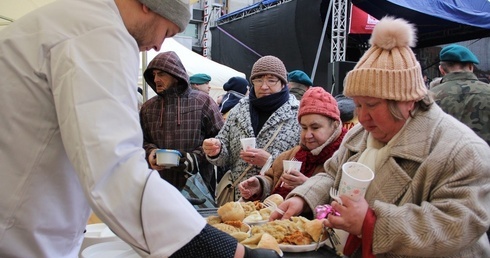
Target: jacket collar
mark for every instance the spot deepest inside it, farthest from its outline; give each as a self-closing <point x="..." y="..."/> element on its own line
<point x="409" y="151"/>
<point x="456" y="76"/>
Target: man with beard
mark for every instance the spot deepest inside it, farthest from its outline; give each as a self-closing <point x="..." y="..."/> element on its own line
<point x="178" y="118"/>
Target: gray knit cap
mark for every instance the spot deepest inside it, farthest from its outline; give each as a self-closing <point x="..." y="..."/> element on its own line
<point x="269" y="65"/>
<point x="177" y="11"/>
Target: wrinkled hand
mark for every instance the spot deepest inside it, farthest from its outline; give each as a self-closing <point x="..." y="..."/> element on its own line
<point x="291" y="207"/>
<point x="293" y="179"/>
<point x="211" y="146"/>
<point x="257" y="157"/>
<point x="260" y="253"/>
<point x="250" y="189"/>
<point x="352" y="215"/>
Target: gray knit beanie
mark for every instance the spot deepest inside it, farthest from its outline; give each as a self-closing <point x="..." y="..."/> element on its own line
<point x="177" y="11"/>
<point x="269" y="65"/>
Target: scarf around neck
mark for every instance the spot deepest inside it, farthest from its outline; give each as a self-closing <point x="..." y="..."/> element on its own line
<point x="311" y="161"/>
<point x="265" y="106"/>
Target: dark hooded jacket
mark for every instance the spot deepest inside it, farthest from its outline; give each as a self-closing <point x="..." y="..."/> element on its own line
<point x="179" y="118"/>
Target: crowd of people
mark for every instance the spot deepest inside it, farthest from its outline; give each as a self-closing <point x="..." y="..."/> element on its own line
<point x="91" y="147"/>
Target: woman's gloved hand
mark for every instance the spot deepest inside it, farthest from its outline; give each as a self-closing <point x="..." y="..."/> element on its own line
<point x="188" y="162"/>
<point x="260" y="253"/>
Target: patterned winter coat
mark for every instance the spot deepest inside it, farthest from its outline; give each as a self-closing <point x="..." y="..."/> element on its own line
<point x="463" y="96"/>
<point x="431" y="196"/>
<point x="238" y="125"/>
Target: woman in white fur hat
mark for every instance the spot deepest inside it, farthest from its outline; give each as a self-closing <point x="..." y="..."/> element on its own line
<point x="430" y="193"/>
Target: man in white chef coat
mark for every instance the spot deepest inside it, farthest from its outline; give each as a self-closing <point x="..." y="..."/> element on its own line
<point x="70" y="139"/>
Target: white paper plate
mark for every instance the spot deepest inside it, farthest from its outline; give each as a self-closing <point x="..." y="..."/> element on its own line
<point x="107" y="232"/>
<point x="300" y="248"/>
<point x="114" y="249"/>
<point x="97" y="233"/>
<point x="98" y="230"/>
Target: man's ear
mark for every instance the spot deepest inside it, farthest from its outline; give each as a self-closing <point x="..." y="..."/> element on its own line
<point x="145" y="8"/>
<point x="442" y="70"/>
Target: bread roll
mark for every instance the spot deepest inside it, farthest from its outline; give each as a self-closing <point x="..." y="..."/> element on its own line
<point x="253" y="240"/>
<point x="226" y="228"/>
<point x="276" y="198"/>
<point x="269" y="242"/>
<point x="213" y="219"/>
<point x="240" y="236"/>
<point x="231" y="211"/>
<point x="314" y="229"/>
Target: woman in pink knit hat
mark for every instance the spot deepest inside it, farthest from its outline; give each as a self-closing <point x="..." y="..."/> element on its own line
<point x="320" y="137"/>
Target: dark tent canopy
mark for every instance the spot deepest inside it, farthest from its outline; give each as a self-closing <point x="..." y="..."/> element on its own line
<point x="437" y="21"/>
<point x="291" y="30"/>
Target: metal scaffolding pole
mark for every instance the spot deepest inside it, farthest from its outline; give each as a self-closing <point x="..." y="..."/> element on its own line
<point x="339" y="30"/>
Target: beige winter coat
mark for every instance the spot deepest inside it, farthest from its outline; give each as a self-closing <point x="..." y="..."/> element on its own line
<point x="431" y="197"/>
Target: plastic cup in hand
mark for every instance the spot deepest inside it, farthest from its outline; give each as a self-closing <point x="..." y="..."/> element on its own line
<point x="248" y="142"/>
<point x="355" y="180"/>
<point x="289" y="165"/>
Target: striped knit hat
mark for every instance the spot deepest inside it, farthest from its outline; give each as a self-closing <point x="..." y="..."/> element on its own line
<point x="388" y="69"/>
<point x="270" y="65"/>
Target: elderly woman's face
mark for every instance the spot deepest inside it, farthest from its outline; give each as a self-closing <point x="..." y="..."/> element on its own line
<point x="266" y="85"/>
<point x="315" y="130"/>
<point x="376" y="118"/>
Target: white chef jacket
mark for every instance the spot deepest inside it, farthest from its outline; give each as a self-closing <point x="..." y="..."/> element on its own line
<point x="70" y="138"/>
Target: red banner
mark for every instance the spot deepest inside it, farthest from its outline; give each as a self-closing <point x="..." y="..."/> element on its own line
<point x="361" y="22"/>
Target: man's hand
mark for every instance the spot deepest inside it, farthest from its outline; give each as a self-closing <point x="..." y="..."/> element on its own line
<point x="152" y="159"/>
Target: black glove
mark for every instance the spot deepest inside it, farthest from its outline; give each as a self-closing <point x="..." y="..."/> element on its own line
<point x="260" y="253"/>
<point x="189" y="161"/>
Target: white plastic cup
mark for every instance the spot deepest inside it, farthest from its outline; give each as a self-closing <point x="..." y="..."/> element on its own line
<point x="355" y="180"/>
<point x="168" y="158"/>
<point x="289" y="165"/>
<point x="248" y="142"/>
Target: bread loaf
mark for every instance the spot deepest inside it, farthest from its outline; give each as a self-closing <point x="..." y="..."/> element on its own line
<point x="231" y="211"/>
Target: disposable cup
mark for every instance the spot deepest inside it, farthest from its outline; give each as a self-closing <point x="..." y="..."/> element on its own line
<point x="289" y="165"/>
<point x="355" y="180"/>
<point x="248" y="142"/>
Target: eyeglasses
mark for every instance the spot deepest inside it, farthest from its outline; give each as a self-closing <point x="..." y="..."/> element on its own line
<point x="268" y="82"/>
